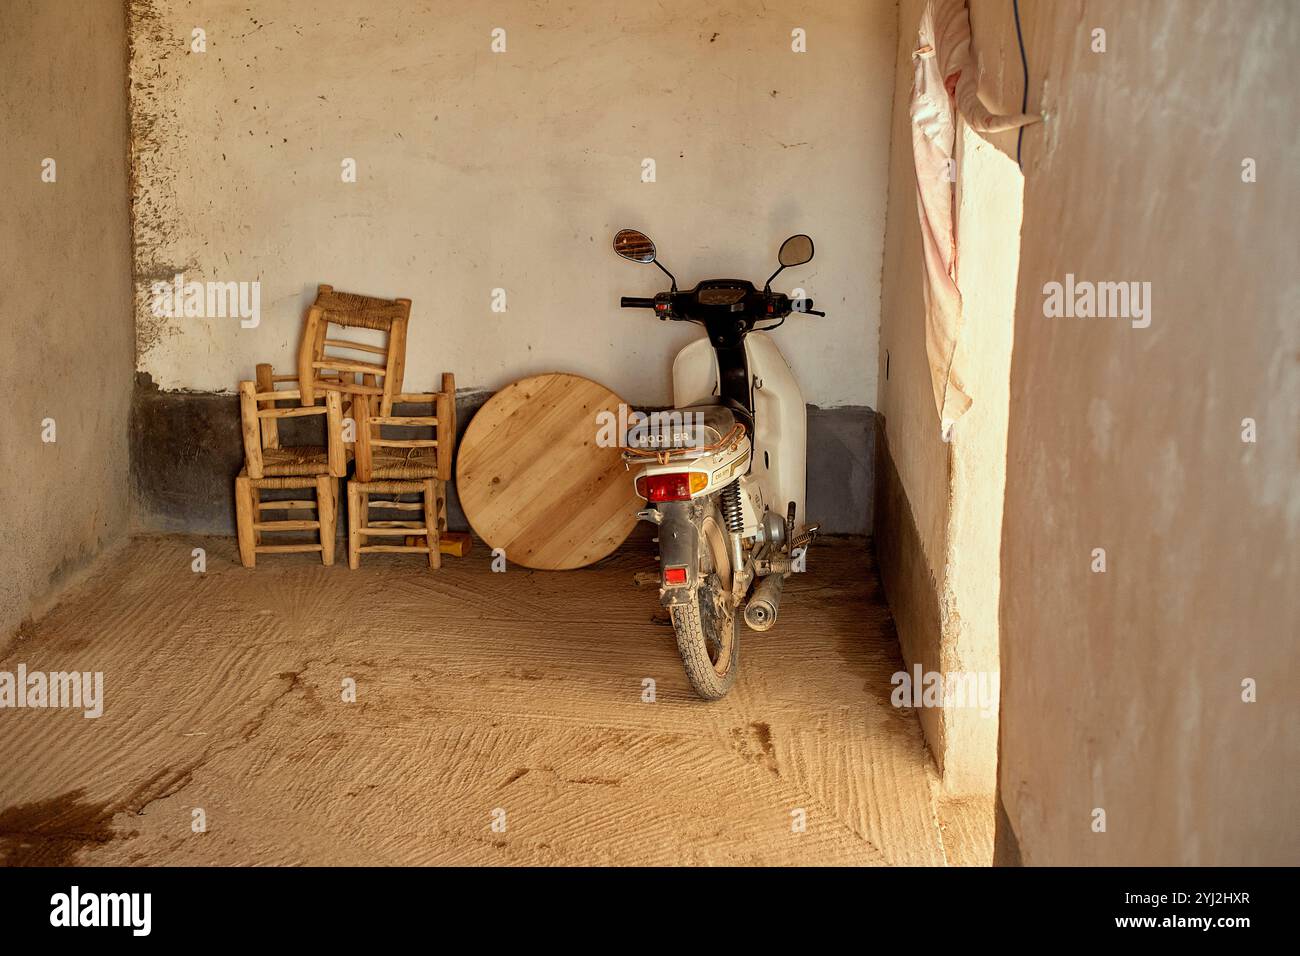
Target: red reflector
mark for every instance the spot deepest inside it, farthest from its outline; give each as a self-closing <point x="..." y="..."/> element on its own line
<point x="674" y="575"/>
<point x="670" y="487"/>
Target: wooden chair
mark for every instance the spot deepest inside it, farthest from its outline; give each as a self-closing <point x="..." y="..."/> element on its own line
<point x="403" y="466"/>
<point x="378" y="377"/>
<point x="270" y="465"/>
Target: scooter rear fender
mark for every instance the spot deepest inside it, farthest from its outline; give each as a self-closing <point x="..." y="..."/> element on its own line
<point x="679" y="547"/>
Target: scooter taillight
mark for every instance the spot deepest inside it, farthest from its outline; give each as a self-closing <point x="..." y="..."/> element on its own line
<point x="674" y="486"/>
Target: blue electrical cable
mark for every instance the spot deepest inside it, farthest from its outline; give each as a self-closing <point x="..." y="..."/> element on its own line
<point x="1024" y="63"/>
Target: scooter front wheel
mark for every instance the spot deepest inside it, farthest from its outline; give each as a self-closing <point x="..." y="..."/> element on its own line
<point x="707" y="637"/>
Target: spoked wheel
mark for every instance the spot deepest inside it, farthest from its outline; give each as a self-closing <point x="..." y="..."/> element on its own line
<point x="706" y="623"/>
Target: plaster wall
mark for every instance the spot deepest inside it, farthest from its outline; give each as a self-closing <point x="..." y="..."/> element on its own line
<point x="479" y="171"/>
<point x="65" y="307"/>
<point x="1123" y="691"/>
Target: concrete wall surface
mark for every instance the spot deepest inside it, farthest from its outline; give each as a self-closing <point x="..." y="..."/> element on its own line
<point x="938" y="524"/>
<point x="66" y="342"/>
<point x="1168" y="160"/>
<point x="479" y="171"/>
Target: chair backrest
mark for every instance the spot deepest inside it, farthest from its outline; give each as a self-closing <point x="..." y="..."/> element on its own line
<point x="259" y="415"/>
<point x="377" y="376"/>
<point x="442" y="421"/>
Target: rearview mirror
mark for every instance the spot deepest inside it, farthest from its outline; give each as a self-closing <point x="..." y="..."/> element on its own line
<point x="634" y="246"/>
<point x="795" y="251"/>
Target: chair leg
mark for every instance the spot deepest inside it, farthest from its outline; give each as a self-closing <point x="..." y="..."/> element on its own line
<point x="442" y="507"/>
<point x="327" y="516"/>
<point x="245" y="516"/>
<point x="431" y="522"/>
<point x="354" y="526"/>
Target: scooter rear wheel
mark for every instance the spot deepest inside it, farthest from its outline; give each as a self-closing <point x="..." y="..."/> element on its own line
<point x="707" y="637"/>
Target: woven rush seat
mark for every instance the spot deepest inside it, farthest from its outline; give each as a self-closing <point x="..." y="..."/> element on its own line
<point x="287" y="483"/>
<point x="359" y="311"/>
<point x="296" y="460"/>
<point x="393" y="487"/>
<point x="404" y="464"/>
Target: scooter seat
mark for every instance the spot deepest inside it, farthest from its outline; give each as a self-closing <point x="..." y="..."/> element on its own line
<point x="722" y="418"/>
<point x="692" y="427"/>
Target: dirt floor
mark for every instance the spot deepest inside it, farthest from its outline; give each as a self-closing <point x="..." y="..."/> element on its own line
<point x="480" y="697"/>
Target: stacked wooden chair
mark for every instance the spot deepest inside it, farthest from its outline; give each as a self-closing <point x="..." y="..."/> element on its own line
<point x="269" y="465"/>
<point x="375" y="378"/>
<point x="351" y="363"/>
<point x="397" y="466"/>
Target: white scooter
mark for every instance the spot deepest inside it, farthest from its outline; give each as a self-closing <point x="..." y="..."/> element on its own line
<point x="725" y="480"/>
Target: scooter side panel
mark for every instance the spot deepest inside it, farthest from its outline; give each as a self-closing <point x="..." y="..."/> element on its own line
<point x="695" y="374"/>
<point x="780" y="416"/>
<point x="780" y="428"/>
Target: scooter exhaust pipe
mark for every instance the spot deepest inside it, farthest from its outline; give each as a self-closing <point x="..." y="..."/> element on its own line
<point x="761" y="611"/>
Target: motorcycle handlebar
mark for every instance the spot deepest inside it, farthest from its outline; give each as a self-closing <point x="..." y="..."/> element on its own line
<point x="648" y="302"/>
<point x="806" y="307"/>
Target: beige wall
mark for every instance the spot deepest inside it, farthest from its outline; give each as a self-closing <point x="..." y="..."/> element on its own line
<point x="65" y="309"/>
<point x="988" y="248"/>
<point x="1122" y="691"/>
<point x="512" y="170"/>
<point x="905" y="397"/>
<point x="941" y="530"/>
<point x="912" y="460"/>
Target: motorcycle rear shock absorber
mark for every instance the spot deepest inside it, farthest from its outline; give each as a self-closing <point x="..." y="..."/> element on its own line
<point x="734" y="518"/>
<point x="732" y="515"/>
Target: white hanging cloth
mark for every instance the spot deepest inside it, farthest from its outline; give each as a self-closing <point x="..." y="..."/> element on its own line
<point x="944" y="81"/>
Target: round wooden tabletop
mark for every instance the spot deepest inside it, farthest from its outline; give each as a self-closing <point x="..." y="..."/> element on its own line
<point x="534" y="481"/>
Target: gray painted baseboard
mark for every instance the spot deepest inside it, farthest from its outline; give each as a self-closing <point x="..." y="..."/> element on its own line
<point x="186" y="449"/>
